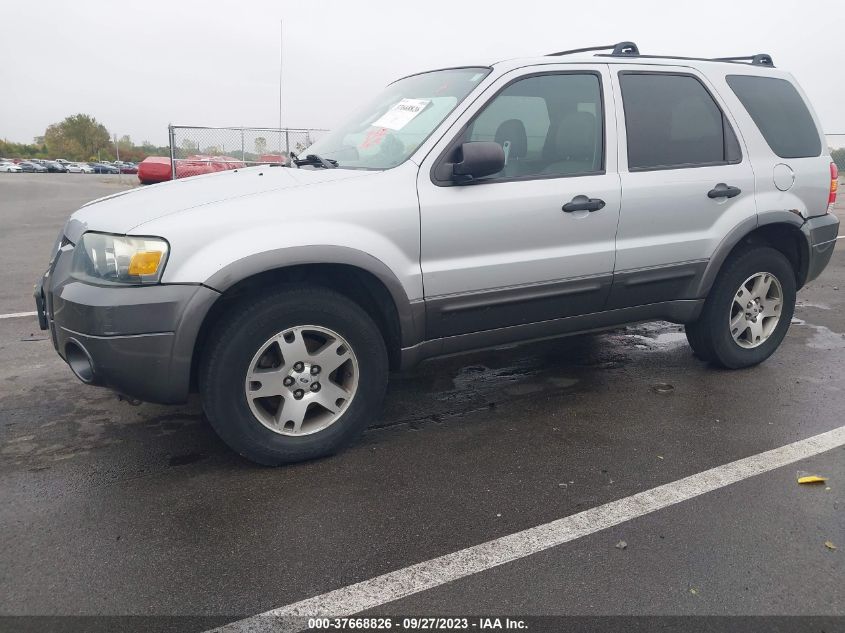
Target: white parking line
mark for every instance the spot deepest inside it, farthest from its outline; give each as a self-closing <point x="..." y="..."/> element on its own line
<point x="438" y="571"/>
<point x="15" y="315"/>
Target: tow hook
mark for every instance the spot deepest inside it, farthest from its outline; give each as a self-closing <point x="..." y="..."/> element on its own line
<point x="127" y="399"/>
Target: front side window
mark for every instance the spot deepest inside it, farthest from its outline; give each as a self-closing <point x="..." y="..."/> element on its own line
<point x="547" y="125"/>
<point x="671" y="121"/>
<point x="392" y="126"/>
<point x="780" y="113"/>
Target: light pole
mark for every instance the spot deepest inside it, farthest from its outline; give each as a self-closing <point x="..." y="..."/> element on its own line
<point x="117" y="153"/>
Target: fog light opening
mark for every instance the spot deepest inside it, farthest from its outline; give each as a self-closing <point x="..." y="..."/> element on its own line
<point x="79" y="361"/>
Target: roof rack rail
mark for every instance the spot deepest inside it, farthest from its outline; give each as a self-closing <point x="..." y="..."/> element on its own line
<point x="629" y="49"/>
<point x="620" y="49"/>
<point x="760" y="59"/>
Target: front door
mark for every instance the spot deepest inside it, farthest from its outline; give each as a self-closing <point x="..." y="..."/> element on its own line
<point x="522" y="245"/>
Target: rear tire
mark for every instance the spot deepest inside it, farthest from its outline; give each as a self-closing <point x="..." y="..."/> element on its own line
<point x="258" y="348"/>
<point x="695" y="338"/>
<point x="748" y="311"/>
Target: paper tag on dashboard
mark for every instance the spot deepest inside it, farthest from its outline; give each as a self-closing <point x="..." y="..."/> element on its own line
<point x="401" y="114"/>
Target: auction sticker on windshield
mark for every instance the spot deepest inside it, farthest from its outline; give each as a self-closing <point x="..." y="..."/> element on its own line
<point x="401" y="114"/>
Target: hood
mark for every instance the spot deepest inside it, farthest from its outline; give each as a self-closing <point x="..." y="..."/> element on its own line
<point x="122" y="212"/>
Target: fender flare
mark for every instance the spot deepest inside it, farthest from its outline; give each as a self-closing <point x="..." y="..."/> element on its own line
<point x="735" y="236"/>
<point x="411" y="314"/>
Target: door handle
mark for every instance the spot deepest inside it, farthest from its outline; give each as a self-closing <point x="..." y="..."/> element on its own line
<point x="723" y="191"/>
<point x="583" y="203"/>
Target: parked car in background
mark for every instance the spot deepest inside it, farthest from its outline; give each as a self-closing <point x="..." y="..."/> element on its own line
<point x="55" y="167"/>
<point x="62" y="161"/>
<point x="155" y="169"/>
<point x="104" y="168"/>
<point x="9" y="167"/>
<point x="128" y="168"/>
<point x="79" y="168"/>
<point x="32" y="166"/>
<point x="275" y="159"/>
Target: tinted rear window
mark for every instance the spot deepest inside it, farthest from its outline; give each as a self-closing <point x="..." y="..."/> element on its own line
<point x="780" y="113"/>
<point x="672" y="121"/>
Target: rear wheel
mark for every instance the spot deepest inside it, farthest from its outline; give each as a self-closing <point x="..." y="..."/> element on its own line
<point x="295" y="375"/>
<point x="748" y="310"/>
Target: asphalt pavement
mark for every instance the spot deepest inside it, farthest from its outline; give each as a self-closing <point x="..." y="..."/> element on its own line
<point x="110" y="509"/>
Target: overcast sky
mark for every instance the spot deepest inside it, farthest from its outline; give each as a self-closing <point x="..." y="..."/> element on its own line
<point x="136" y="66"/>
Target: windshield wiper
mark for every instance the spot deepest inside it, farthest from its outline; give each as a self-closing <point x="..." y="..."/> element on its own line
<point x="315" y="160"/>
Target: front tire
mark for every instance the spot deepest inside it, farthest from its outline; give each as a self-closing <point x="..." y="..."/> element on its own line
<point x="294" y="375"/>
<point x="748" y="311"/>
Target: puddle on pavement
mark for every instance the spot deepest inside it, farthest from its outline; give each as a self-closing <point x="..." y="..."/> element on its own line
<point x="457" y="385"/>
<point x="657" y="336"/>
<point x="810" y="304"/>
<point x="822" y="337"/>
<point x="825" y="338"/>
<point x="526" y="376"/>
<point x="446" y="387"/>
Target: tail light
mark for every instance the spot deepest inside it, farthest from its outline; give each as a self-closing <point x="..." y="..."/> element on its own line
<point x="834" y="184"/>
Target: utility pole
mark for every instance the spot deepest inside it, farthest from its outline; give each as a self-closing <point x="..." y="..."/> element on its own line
<point x="117" y="153"/>
<point x="281" y="58"/>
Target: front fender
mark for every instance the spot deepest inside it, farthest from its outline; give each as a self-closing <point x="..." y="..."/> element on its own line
<point x="409" y="321"/>
<point x="368" y="221"/>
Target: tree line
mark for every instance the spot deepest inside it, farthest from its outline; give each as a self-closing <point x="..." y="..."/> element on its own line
<point x="81" y="138"/>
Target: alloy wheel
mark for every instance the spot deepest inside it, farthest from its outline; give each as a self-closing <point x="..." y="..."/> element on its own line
<point x="756" y="310"/>
<point x="302" y="380"/>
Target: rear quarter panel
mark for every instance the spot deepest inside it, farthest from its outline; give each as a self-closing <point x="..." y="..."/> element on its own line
<point x="809" y="192"/>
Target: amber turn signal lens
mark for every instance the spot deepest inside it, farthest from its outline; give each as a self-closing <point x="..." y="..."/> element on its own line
<point x="144" y="263"/>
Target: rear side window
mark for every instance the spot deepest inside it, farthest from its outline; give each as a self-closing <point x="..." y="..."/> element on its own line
<point x="672" y="121"/>
<point x="780" y="113"/>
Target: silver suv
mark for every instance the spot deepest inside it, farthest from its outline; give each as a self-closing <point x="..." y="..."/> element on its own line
<point x="461" y="208"/>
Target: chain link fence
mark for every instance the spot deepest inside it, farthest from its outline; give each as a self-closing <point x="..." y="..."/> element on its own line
<point x="200" y="150"/>
<point x="835" y="141"/>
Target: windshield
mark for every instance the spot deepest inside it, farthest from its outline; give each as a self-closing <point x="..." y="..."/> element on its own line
<point x="393" y="125"/>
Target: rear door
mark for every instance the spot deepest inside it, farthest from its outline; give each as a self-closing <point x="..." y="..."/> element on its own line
<point x="686" y="182"/>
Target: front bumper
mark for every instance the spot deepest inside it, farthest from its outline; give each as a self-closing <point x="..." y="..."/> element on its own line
<point x="137" y="340"/>
<point x="820" y="233"/>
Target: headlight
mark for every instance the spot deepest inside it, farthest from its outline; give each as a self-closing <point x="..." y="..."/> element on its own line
<point x="117" y="259"/>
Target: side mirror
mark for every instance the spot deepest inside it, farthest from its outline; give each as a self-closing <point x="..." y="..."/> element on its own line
<point x="478" y="159"/>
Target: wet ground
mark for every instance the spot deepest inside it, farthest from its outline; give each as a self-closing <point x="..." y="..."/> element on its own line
<point x="111" y="509"/>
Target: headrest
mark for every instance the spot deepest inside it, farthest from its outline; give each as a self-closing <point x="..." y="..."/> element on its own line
<point x="513" y="130"/>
